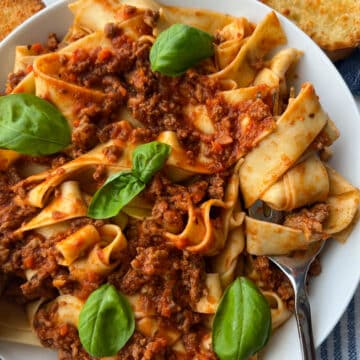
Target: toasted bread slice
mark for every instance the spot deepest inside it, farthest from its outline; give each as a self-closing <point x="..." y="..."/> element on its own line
<point x="333" y="24"/>
<point x="14" y="12"/>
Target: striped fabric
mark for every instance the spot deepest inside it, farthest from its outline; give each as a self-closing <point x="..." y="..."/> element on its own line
<point x="344" y="342"/>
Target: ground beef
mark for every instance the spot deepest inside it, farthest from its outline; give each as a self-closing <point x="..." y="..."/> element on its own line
<point x="64" y="337"/>
<point x="171" y="280"/>
<point x="12" y="216"/>
<point x="112" y="153"/>
<point x="273" y="279"/>
<point x="158" y="102"/>
<point x="192" y="346"/>
<point x="142" y="348"/>
<point x="52" y="42"/>
<point x="84" y="137"/>
<point x="310" y="221"/>
<point x="216" y="188"/>
<point x="14" y="79"/>
<point x="119" y="130"/>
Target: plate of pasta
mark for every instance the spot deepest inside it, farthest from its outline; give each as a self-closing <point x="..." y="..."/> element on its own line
<point x="135" y="137"/>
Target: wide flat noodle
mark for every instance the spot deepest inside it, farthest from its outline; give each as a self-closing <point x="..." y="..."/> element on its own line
<point x="264" y="238"/>
<point x="201" y="234"/>
<point x="45" y="70"/>
<point x="103" y="257"/>
<point x="67" y="307"/>
<point x="24" y="58"/>
<point x="67" y="204"/>
<point x="77" y="244"/>
<point x="296" y="129"/>
<point x="209" y="302"/>
<point x="93" y="15"/>
<point x="278" y="308"/>
<point x="343" y="235"/>
<point x="149" y="323"/>
<point x="153" y="327"/>
<point x="232" y="38"/>
<point x="274" y="74"/>
<point x="304" y="184"/>
<point x="225" y="263"/>
<point x="267" y="35"/>
<point x="343" y="203"/>
<point x="206" y="20"/>
<point x="26" y="85"/>
<point x="49" y="180"/>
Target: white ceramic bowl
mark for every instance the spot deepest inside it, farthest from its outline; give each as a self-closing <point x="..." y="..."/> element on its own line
<point x="331" y="292"/>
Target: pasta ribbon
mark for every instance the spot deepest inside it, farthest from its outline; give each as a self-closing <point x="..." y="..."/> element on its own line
<point x="304" y="184"/>
<point x="77" y="244"/>
<point x="226" y="261"/>
<point x="61" y="93"/>
<point x="24" y="57"/>
<point x="232" y="38"/>
<point x="201" y="233"/>
<point x="264" y="238"/>
<point x="210" y="301"/>
<point x="93" y="15"/>
<point x="67" y="204"/>
<point x="296" y="129"/>
<point x="68" y="308"/>
<point x="104" y="256"/>
<point x="343" y="203"/>
<point x="267" y="35"/>
<point x="279" y="311"/>
<point x="274" y="75"/>
<point x="48" y="180"/>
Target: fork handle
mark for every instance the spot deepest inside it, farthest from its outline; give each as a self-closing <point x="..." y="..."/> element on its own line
<point x="303" y="319"/>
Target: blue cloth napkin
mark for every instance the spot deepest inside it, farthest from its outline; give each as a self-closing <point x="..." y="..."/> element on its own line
<point x="344" y="341"/>
<point x="349" y="68"/>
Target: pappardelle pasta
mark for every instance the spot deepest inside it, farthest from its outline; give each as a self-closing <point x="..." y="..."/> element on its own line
<point x="132" y="153"/>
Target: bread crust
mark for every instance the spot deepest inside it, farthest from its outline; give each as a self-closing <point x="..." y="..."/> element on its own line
<point x="14" y="12"/>
<point x="333" y="24"/>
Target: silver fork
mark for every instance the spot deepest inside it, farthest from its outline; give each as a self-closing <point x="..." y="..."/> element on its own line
<point x="295" y="267"/>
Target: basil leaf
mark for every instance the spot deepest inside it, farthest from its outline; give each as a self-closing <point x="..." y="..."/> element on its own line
<point x="179" y="48"/>
<point x="32" y="126"/>
<point x="242" y="323"/>
<point x="149" y="158"/>
<point x="118" y="190"/>
<point x="106" y="322"/>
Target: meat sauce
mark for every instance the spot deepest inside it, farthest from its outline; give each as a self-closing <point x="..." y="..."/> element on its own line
<point x="171" y="280"/>
<point x="158" y="102"/>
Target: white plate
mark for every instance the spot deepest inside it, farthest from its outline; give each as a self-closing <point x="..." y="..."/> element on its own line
<point x="333" y="289"/>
